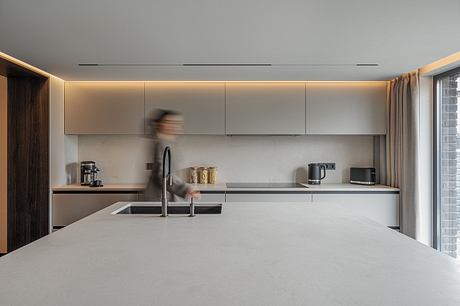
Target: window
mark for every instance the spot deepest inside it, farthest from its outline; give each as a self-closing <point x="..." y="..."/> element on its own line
<point x="447" y="163"/>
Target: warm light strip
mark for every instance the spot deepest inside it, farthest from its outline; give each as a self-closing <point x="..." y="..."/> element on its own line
<point x="441" y="65"/>
<point x="245" y="81"/>
<point x="27" y="66"/>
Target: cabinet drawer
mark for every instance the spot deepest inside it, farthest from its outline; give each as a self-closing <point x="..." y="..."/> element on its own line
<point x="212" y="197"/>
<point x="382" y="208"/>
<point x="68" y="208"/>
<point x="268" y="197"/>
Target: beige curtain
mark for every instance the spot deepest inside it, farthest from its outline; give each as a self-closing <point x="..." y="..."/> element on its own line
<point x="402" y="144"/>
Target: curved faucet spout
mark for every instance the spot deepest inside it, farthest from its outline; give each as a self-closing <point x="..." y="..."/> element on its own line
<point x="166" y="179"/>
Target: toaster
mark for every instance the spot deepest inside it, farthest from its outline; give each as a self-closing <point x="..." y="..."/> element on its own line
<point x="362" y="176"/>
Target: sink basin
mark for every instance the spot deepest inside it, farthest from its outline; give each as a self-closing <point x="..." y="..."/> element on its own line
<point x="200" y="209"/>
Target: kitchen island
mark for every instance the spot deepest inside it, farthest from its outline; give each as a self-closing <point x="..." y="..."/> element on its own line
<point x="251" y="254"/>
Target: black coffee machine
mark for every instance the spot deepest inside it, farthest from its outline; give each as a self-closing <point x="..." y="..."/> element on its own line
<point x="316" y="172"/>
<point x="88" y="174"/>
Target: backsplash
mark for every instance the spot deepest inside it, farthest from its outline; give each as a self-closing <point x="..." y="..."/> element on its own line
<point x="238" y="158"/>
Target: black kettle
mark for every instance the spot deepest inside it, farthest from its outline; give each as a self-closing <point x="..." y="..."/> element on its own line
<point x="316" y="172"/>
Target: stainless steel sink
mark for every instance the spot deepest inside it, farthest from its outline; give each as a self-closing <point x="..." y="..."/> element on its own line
<point x="173" y="209"/>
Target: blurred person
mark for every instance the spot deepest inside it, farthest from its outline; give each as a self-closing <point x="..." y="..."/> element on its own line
<point x="166" y="126"/>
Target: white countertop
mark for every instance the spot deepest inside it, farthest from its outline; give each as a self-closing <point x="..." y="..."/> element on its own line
<point x="345" y="187"/>
<point x="257" y="254"/>
<point x="351" y="188"/>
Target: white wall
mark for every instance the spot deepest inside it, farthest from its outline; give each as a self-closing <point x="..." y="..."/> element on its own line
<point x="426" y="159"/>
<point x="238" y="158"/>
<point x="63" y="148"/>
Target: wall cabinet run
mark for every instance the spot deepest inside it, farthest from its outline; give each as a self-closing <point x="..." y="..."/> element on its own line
<point x="265" y="108"/>
<point x="229" y="108"/>
<point x="202" y="104"/>
<point x="345" y="108"/>
<point x="104" y="108"/>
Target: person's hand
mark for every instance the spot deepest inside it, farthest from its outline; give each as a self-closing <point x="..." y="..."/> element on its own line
<point x="193" y="193"/>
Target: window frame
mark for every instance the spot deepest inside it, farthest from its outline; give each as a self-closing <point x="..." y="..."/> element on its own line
<point x="437" y="158"/>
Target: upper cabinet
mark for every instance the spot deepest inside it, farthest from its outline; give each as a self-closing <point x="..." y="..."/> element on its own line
<point x="346" y="108"/>
<point x="201" y="103"/>
<point x="229" y="108"/>
<point x="271" y="108"/>
<point x="104" y="108"/>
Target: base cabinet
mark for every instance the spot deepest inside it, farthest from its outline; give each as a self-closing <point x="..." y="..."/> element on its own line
<point x="382" y="208"/>
<point x="212" y="197"/>
<point x="268" y="197"/>
<point x="68" y="208"/>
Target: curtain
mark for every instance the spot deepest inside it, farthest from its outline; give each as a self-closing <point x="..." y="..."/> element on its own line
<point x="402" y="144"/>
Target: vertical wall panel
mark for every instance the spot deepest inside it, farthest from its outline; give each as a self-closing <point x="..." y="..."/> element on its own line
<point x="28" y="160"/>
<point x="3" y="164"/>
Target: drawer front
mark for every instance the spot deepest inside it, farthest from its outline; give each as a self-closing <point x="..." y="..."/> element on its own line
<point x="268" y="197"/>
<point x="68" y="208"/>
<point x="212" y="197"/>
<point x="382" y="208"/>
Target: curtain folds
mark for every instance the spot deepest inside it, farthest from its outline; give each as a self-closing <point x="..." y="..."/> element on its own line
<point x="402" y="145"/>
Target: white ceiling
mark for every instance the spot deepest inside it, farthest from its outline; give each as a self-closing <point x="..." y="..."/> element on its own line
<point x="57" y="35"/>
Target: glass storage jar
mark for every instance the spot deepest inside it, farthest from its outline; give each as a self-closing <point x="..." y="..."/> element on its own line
<point x="203" y="175"/>
<point x="212" y="175"/>
<point x="193" y="175"/>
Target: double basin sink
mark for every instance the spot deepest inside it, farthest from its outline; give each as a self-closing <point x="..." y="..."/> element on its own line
<point x="175" y="208"/>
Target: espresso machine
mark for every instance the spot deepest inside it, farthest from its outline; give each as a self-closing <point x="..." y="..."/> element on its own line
<point x="88" y="174"/>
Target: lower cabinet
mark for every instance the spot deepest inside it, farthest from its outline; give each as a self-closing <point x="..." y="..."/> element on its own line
<point x="380" y="207"/>
<point x="212" y="197"/>
<point x="71" y="207"/>
<point x="268" y="197"/>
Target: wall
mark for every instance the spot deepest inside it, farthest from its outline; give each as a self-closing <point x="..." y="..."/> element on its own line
<point x="426" y="159"/>
<point x="63" y="148"/>
<point x="3" y="165"/>
<point x="238" y="158"/>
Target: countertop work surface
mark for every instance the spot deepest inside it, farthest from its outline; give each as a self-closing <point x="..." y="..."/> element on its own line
<point x="222" y="187"/>
<point x="257" y="254"/>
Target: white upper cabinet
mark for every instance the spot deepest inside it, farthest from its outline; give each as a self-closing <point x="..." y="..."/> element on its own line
<point x="104" y="108"/>
<point x="273" y="108"/>
<point x="202" y="104"/>
<point x="346" y="108"/>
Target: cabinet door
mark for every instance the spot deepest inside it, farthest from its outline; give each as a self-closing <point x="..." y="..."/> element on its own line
<point x="265" y="108"/>
<point x="202" y="104"/>
<point x="68" y="208"/>
<point x="268" y="197"/>
<point x="382" y="208"/>
<point x="346" y="108"/>
<point x="104" y="108"/>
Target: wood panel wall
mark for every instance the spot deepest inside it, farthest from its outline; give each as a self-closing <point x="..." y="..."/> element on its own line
<point x="3" y="165"/>
<point x="28" y="160"/>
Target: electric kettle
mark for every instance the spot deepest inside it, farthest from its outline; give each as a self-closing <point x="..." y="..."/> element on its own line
<point x="316" y="172"/>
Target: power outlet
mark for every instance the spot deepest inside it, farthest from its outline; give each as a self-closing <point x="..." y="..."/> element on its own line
<point x="330" y="166"/>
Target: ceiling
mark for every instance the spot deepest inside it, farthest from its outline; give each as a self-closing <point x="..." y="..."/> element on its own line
<point x="302" y="39"/>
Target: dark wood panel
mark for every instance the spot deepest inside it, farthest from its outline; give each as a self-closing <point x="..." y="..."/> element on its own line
<point x="9" y="69"/>
<point x="28" y="160"/>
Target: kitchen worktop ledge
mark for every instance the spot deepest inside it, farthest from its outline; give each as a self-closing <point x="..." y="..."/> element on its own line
<point x="221" y="187"/>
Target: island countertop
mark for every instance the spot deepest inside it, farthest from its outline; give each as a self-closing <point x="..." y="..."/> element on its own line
<point x="251" y="254"/>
